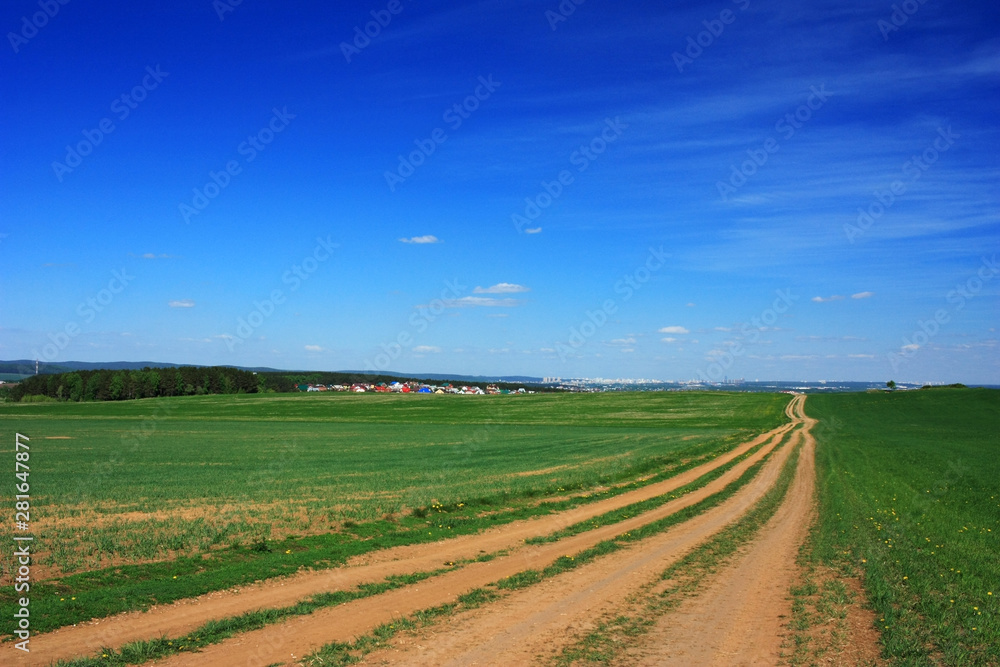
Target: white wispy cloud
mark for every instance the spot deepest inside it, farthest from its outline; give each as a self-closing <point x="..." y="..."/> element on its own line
<point x="669" y="339"/>
<point x="314" y="348"/>
<point x="421" y="240"/>
<point x="502" y="288"/>
<point x="863" y="295"/>
<point x="674" y="330"/>
<point x="533" y="230"/>
<point x="821" y="299"/>
<point x="152" y="255"/>
<point x="427" y="349"/>
<point x="630" y="340"/>
<point x="181" y="303"/>
<point x="477" y="302"/>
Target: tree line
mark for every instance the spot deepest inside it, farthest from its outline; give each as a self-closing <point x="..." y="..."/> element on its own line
<point x="108" y="385"/>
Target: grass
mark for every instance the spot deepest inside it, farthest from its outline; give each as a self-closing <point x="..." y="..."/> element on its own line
<point x="151" y="501"/>
<point x="909" y="501"/>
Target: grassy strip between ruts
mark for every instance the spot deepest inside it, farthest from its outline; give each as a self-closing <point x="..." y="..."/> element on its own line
<point x="217" y="631"/>
<point x="629" y="511"/>
<point x="348" y="653"/>
<point x="103" y="593"/>
<point x="613" y="635"/>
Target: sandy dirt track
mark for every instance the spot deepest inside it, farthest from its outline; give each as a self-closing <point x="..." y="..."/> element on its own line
<point x="182" y="617"/>
<point x="740" y="618"/>
<point x="534" y="624"/>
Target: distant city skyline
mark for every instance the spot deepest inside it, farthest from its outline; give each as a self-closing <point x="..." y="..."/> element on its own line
<point x="711" y="190"/>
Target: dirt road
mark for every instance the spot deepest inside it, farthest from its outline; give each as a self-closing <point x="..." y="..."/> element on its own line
<point x="534" y="624"/>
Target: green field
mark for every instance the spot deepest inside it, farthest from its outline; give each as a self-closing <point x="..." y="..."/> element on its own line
<point x="129" y="495"/>
<point x="909" y="489"/>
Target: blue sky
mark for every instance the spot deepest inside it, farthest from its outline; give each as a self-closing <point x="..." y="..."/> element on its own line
<point x="743" y="189"/>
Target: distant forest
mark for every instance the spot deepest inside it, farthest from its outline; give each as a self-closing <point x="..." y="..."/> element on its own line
<point x="123" y="385"/>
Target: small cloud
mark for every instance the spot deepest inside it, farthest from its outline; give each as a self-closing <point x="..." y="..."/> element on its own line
<point x="669" y="339"/>
<point x="426" y="349"/>
<point x="820" y="299"/>
<point x="674" y="330"/>
<point x="863" y="295"/>
<point x="223" y="336"/>
<point x="182" y="303"/>
<point x="724" y="329"/>
<point x="912" y="347"/>
<point x="475" y="301"/>
<point x="630" y="340"/>
<point x="501" y="350"/>
<point x="151" y="255"/>
<point x="421" y="240"/>
<point x="498" y="315"/>
<point x="533" y="230"/>
<point x="690" y="305"/>
<point x="314" y="348"/>
<point x="502" y="288"/>
<point x="861" y="356"/>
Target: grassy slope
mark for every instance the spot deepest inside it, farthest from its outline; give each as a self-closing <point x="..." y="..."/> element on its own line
<point x="314" y="463"/>
<point x="910" y="498"/>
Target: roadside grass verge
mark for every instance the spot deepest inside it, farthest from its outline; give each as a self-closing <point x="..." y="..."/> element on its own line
<point x="615" y="633"/>
<point x="349" y="653"/>
<point x="909" y="503"/>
